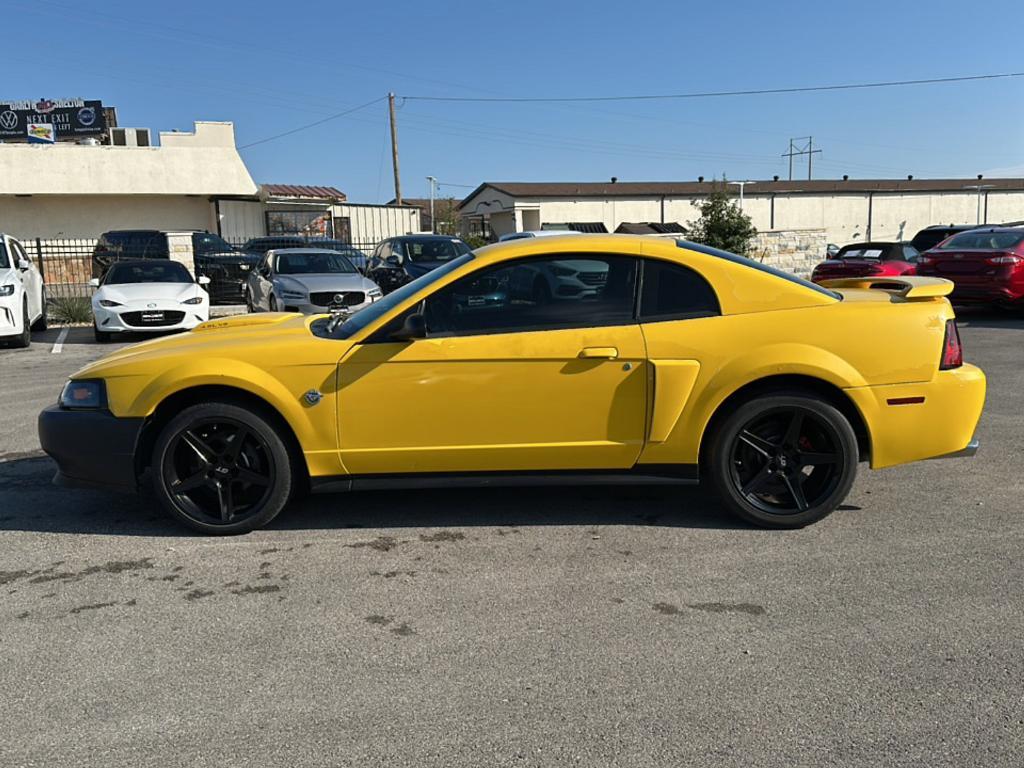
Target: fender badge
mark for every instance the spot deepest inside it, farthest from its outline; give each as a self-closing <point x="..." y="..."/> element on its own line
<point x="312" y="397"/>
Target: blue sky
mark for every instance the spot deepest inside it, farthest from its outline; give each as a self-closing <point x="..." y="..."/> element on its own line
<point x="270" y="67"/>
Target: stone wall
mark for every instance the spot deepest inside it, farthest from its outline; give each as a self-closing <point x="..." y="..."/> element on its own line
<point x="794" y="250"/>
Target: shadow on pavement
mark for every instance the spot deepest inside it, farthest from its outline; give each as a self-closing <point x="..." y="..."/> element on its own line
<point x="30" y="502"/>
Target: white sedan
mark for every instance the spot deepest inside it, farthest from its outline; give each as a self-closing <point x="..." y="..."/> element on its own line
<point x="22" y="294"/>
<point x="148" y="295"/>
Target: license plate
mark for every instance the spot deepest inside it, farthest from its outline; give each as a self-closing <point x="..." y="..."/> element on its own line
<point x="149" y="317"/>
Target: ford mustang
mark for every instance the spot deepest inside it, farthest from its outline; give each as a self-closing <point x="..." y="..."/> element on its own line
<point x="683" y="362"/>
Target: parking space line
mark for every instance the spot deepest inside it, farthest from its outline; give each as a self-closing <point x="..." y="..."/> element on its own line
<point x="58" y="345"/>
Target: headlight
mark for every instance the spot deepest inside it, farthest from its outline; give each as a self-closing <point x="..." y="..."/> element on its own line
<point x="7" y="290"/>
<point x="84" y="395"/>
<point x="196" y="300"/>
<point x="292" y="295"/>
<point x="374" y="293"/>
<point x="109" y="303"/>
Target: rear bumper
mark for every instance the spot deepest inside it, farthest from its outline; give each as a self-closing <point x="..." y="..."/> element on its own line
<point x="968" y="452"/>
<point x="94" y="449"/>
<point x="931" y="419"/>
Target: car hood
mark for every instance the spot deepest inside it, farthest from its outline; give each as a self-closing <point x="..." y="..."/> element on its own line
<point x="140" y="293"/>
<point x="241" y="337"/>
<point x="327" y="282"/>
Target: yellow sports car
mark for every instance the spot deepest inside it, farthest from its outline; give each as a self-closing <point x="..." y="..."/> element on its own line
<point x="572" y="359"/>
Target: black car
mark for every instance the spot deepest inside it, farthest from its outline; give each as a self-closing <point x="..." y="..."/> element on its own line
<point x="931" y="236"/>
<point x="214" y="257"/>
<point x="397" y="260"/>
<point x="260" y="245"/>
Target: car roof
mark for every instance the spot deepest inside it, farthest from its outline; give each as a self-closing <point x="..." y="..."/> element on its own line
<point x="304" y="250"/>
<point x="426" y="236"/>
<point x="883" y="243"/>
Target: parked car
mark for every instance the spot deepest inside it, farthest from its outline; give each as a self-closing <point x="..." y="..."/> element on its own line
<point x="214" y="257"/>
<point x="399" y="260"/>
<point x="536" y="233"/>
<point x="148" y="295"/>
<point x="931" y="236"/>
<point x="308" y="280"/>
<point x="986" y="265"/>
<point x="690" y="362"/>
<point x="260" y="245"/>
<point x="22" y="294"/>
<point x="875" y="258"/>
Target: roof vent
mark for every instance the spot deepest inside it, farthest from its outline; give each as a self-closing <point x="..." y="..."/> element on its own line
<point x="846" y="177"/>
<point x="910" y="177"/>
<point x="614" y="179"/>
<point x="775" y="177"/>
<point x="700" y="179"/>
<point x="980" y="177"/>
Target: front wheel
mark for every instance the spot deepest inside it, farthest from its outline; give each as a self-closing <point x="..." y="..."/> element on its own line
<point x="221" y="468"/>
<point x="24" y="338"/>
<point x="102" y="337"/>
<point x="784" y="461"/>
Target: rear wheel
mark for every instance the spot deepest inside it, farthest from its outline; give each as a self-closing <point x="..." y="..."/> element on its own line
<point x="784" y="461"/>
<point x="221" y="468"/>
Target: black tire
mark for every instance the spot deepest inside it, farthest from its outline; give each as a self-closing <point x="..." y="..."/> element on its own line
<point x="41" y="324"/>
<point x="214" y="484"/>
<point x="102" y="337"/>
<point x="783" y="461"/>
<point x="24" y="339"/>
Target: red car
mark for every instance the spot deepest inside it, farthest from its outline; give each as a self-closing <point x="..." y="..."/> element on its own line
<point x="986" y="265"/>
<point x="868" y="259"/>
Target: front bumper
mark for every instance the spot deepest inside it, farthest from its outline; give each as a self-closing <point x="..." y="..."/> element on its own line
<point x="94" y="449"/>
<point x="10" y="315"/>
<point x="112" y="321"/>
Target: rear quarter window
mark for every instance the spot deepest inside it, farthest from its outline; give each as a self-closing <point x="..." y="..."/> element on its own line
<point x="674" y="292"/>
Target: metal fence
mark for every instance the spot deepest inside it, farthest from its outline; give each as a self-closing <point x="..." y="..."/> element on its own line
<point x="67" y="264"/>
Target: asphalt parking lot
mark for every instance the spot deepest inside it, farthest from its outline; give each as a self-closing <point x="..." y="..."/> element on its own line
<point x="595" y="627"/>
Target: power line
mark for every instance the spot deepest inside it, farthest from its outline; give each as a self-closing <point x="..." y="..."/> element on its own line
<point x="712" y="94"/>
<point x="314" y="124"/>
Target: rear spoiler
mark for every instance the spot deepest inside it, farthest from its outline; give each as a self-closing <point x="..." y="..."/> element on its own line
<point x="910" y="287"/>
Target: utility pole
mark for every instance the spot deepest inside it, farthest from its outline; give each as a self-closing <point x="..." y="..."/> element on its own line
<point x="394" y="148"/>
<point x="796" y="150"/>
<point x="433" y="186"/>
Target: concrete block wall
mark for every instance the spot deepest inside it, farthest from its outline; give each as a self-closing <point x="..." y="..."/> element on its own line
<point x="180" y="246"/>
<point x="793" y="250"/>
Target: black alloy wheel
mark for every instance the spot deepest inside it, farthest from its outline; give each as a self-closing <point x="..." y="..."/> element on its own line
<point x="784" y="461"/>
<point x="221" y="468"/>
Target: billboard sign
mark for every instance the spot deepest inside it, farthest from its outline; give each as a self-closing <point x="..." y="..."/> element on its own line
<point x="70" y="118"/>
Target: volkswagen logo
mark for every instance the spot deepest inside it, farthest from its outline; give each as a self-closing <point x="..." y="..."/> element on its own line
<point x="8" y="120"/>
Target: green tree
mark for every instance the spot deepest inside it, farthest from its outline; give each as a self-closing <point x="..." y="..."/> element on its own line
<point x="722" y="224"/>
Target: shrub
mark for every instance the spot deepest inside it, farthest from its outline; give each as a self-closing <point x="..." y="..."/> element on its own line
<point x="722" y="224"/>
<point x="70" y="310"/>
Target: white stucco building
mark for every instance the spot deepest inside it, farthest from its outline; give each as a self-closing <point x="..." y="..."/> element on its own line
<point x="847" y="210"/>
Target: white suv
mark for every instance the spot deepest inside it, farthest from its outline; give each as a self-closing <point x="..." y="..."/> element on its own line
<point x="22" y="294"/>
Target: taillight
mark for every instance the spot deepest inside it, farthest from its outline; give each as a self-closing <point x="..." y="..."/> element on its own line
<point x="876" y="269"/>
<point x="952" y="350"/>
<point x="925" y="261"/>
<point x="1005" y="259"/>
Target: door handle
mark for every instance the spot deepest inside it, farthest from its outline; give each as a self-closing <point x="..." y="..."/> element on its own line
<point x="599" y="353"/>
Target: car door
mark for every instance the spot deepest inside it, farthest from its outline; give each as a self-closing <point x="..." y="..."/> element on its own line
<point x="500" y="384"/>
<point x="30" y="279"/>
<point x="258" y="282"/>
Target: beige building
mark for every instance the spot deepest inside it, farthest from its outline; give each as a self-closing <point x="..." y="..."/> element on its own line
<point x="847" y="210"/>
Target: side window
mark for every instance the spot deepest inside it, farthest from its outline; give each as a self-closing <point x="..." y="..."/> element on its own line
<point x="910" y="253"/>
<point x="674" y="292"/>
<point x="19" y="252"/>
<point x="537" y="294"/>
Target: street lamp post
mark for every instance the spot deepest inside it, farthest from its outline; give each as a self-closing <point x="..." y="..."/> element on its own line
<point x="433" y="186"/>
<point x="980" y="187"/>
<point x="741" y="185"/>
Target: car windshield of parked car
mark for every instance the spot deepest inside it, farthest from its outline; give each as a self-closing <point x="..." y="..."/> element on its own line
<point x="313" y="263"/>
<point x="984" y="241"/>
<point x="370" y="314"/>
<point x="4" y="261"/>
<point x="434" y="250"/>
<point x="860" y="252"/>
<point x="155" y="272"/>
<point x="264" y="244"/>
<point x="204" y="243"/>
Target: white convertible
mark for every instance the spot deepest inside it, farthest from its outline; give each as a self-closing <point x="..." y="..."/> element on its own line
<point x="148" y="295"/>
<point x="22" y="294"/>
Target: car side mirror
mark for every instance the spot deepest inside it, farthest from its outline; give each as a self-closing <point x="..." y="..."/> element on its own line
<point x="95" y="282"/>
<point x="414" y="327"/>
<point x="393" y="261"/>
<point x="264" y="271"/>
<point x="23" y="265"/>
<point x="203" y="280"/>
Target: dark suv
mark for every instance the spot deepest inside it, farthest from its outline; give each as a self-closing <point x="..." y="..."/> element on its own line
<point x="214" y="257"/>
<point x="398" y="260"/>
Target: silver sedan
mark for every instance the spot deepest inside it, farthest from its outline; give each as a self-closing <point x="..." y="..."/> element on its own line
<point x="308" y="280"/>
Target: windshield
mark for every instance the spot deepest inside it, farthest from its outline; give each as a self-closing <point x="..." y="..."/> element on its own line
<point x="983" y="241"/>
<point x="370" y="314"/>
<point x="264" y="244"/>
<point x="156" y="272"/>
<point x="434" y="250"/>
<point x="204" y="243"/>
<point x="313" y="263"/>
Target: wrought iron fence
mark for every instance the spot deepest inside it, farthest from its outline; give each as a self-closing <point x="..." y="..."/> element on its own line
<point x="65" y="264"/>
